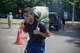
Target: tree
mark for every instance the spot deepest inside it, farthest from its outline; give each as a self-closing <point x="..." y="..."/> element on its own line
<point x="58" y="6"/>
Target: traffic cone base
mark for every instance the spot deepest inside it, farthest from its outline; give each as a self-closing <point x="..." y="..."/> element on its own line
<point x="18" y="43"/>
<point x="18" y="39"/>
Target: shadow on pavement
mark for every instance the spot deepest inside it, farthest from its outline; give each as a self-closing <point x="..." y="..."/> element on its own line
<point x="75" y="41"/>
<point x="70" y="32"/>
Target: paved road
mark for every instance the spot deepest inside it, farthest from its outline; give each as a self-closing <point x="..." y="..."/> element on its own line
<point x="63" y="41"/>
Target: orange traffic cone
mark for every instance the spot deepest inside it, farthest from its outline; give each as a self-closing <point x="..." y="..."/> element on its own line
<point x="20" y="27"/>
<point x="18" y="40"/>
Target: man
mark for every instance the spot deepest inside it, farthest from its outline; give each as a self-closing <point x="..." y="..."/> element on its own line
<point x="63" y="23"/>
<point x="37" y="32"/>
<point x="10" y="18"/>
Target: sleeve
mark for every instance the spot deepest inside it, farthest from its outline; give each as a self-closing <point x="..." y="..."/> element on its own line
<point x="42" y="27"/>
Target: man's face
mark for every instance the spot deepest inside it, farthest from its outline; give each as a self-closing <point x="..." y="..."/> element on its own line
<point x="29" y="17"/>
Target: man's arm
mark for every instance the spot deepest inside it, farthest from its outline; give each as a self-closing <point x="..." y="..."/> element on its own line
<point x="42" y="30"/>
<point x="44" y="34"/>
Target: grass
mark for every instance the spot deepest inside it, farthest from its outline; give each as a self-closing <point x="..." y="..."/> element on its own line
<point x="75" y="22"/>
<point x="15" y="21"/>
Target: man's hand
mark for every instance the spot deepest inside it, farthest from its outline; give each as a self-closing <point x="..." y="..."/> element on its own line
<point x="44" y="34"/>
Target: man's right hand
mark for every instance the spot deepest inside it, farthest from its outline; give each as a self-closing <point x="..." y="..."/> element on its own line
<point x="44" y="34"/>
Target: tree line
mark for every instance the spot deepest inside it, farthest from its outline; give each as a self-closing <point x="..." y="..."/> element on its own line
<point x="59" y="6"/>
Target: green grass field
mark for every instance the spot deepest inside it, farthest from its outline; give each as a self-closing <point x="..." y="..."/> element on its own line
<point x="70" y="22"/>
<point x="15" y="21"/>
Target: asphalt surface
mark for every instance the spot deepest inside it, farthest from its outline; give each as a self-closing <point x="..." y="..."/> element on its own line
<point x="62" y="41"/>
